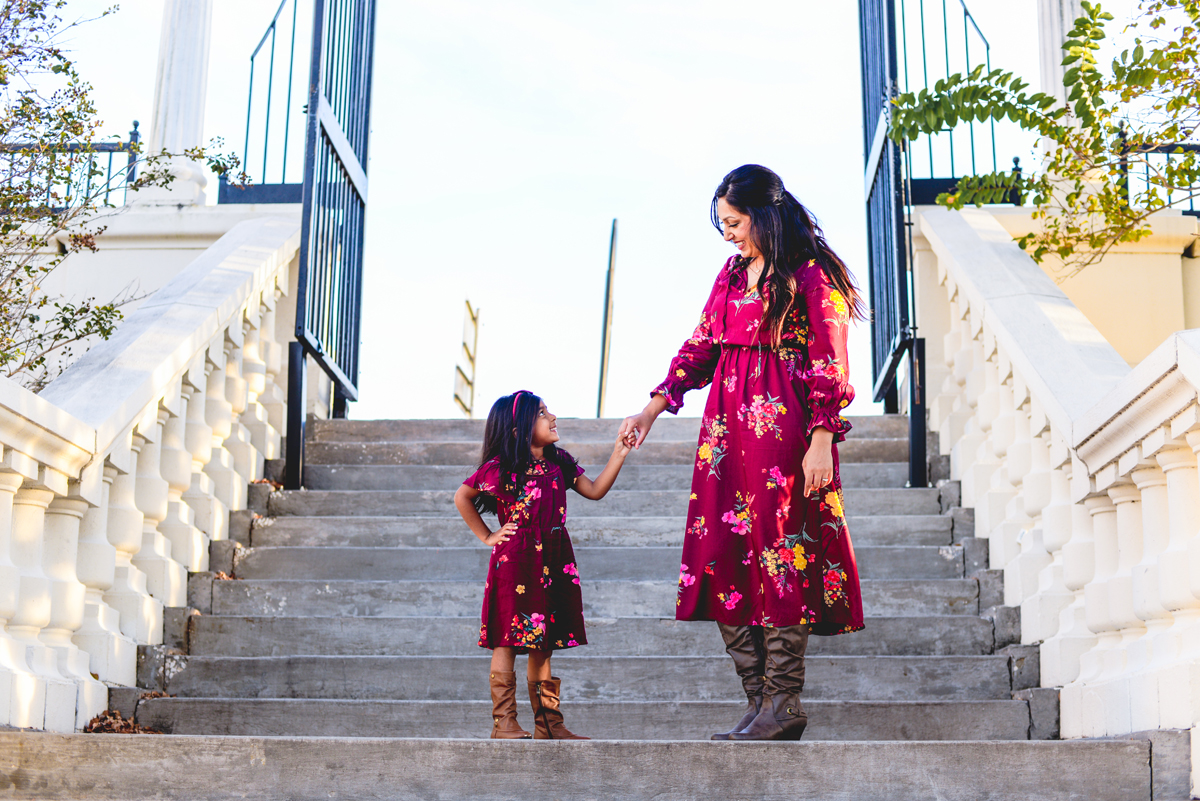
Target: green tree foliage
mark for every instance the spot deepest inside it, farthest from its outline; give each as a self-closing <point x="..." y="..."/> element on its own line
<point x="55" y="191"/>
<point x="1118" y="119"/>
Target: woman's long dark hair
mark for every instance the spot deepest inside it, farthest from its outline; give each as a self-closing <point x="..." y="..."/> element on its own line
<point x="508" y="436"/>
<point x="788" y="237"/>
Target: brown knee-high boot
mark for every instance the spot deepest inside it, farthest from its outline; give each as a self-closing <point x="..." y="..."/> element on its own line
<point x="781" y="717"/>
<point x="547" y="718"/>
<point x="745" y="645"/>
<point x="504" y="707"/>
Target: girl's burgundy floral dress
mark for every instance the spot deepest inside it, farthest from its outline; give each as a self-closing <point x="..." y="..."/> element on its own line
<point x="531" y="598"/>
<point x="756" y="551"/>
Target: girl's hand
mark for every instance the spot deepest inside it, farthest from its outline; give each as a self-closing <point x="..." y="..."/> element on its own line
<point x="503" y="534"/>
<point x="638" y="426"/>
<point x="624" y="444"/>
<point x="818" y="462"/>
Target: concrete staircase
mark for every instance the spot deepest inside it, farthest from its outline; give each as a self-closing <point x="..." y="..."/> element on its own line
<point x="355" y="614"/>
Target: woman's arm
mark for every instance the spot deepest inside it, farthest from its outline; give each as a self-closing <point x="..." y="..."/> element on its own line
<point x="595" y="490"/>
<point x="463" y="501"/>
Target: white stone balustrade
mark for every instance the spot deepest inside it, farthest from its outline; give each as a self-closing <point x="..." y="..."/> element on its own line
<point x="1082" y="472"/>
<point x="115" y="479"/>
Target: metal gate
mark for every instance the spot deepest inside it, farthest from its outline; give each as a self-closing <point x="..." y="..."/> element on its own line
<point x="329" y="298"/>
<point x="893" y="333"/>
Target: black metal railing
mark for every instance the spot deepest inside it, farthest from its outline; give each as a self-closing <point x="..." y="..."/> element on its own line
<point x="329" y="296"/>
<point x="1136" y="182"/>
<point x="73" y="172"/>
<point x="273" y="149"/>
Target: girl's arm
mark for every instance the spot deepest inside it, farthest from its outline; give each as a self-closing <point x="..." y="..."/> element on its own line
<point x="463" y="500"/>
<point x="595" y="490"/>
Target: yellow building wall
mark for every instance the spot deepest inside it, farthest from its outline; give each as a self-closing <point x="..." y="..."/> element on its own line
<point x="1140" y="293"/>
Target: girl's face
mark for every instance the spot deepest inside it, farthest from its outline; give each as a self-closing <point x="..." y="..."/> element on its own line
<point x="545" y="428"/>
<point x="736" y="228"/>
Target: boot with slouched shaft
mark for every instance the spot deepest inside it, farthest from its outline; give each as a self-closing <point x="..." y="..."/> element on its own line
<point x="547" y="717"/>
<point x="504" y="707"/>
<point x="781" y="716"/>
<point x="745" y="645"/>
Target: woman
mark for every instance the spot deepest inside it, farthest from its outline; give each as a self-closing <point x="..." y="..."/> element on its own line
<point x="766" y="553"/>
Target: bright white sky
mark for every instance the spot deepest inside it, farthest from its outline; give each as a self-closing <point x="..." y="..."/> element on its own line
<point x="506" y="136"/>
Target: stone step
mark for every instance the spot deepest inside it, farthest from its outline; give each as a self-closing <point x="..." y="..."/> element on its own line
<point x="633" y="476"/>
<point x="180" y="768"/>
<point x="364" y="531"/>
<point x="618" y="503"/>
<point x="216" y="635"/>
<point x="654" y="451"/>
<point x="892" y="426"/>
<point x="600" y="598"/>
<point x="603" y="562"/>
<point x="673" y="720"/>
<point x="594" y="678"/>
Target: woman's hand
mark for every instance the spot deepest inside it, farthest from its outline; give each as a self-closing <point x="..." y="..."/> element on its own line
<point x="636" y="428"/>
<point x="818" y="461"/>
<point x="503" y="534"/>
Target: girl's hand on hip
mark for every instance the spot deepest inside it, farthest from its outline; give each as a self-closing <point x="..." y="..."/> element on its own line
<point x="503" y="534"/>
<point x="818" y="462"/>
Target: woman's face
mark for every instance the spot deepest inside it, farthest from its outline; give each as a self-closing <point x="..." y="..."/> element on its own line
<point x="545" y="428"/>
<point x="736" y="227"/>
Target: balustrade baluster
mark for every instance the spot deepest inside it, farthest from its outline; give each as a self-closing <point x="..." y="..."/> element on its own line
<point x="210" y="515"/>
<point x="1041" y="612"/>
<point x="22" y="692"/>
<point x="113" y="656"/>
<point x="247" y="461"/>
<point x="141" y="614"/>
<point x="273" y="397"/>
<point x="230" y="488"/>
<point x="189" y="545"/>
<point x="165" y="578"/>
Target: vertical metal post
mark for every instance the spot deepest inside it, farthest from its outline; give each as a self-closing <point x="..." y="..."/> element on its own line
<point x="297" y="403"/>
<point x="918" y="471"/>
<point x="606" y="330"/>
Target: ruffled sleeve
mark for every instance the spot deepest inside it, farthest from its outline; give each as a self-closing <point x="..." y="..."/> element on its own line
<point x="486" y="479"/>
<point x="826" y="376"/>
<point x="570" y="463"/>
<point x="696" y="362"/>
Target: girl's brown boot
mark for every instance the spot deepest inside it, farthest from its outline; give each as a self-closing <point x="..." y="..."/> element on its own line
<point x="504" y="707"/>
<point x="547" y="717"/>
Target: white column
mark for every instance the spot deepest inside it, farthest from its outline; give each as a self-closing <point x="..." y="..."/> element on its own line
<point x="59" y="555"/>
<point x="34" y="611"/>
<point x="1056" y="18"/>
<point x="113" y="655"/>
<point x="180" y="89"/>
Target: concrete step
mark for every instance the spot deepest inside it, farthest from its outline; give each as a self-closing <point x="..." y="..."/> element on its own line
<point x="627" y="720"/>
<point x="618" y="503"/>
<point x="654" y="451"/>
<point x="603" y="562"/>
<point x="633" y="476"/>
<point x="364" y="531"/>
<point x="178" y="768"/>
<point x="583" y="429"/>
<point x="600" y="598"/>
<point x="216" y="635"/>
<point x="595" y="678"/>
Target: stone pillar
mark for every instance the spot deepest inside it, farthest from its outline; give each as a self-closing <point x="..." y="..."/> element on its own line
<point x="58" y="694"/>
<point x="60" y="551"/>
<point x="1056" y="18"/>
<point x="113" y="655"/>
<point x="180" y="89"/>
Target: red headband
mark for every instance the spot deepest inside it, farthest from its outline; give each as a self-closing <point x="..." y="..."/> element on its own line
<point x="516" y="398"/>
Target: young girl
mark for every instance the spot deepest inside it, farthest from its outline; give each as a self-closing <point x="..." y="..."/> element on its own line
<point x="531" y="599"/>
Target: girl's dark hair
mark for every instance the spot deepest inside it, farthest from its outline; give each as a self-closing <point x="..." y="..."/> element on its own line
<point x="788" y="237"/>
<point x="508" y="437"/>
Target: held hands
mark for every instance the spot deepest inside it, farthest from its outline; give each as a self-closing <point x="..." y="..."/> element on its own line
<point x="503" y="534"/>
<point x="818" y="462"/>
<point x="638" y="426"/>
<point x="624" y="444"/>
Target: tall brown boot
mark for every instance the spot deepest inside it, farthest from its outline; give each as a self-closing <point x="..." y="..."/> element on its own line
<point x="781" y="717"/>
<point x="547" y="717"/>
<point x="745" y="645"/>
<point x="504" y="707"/>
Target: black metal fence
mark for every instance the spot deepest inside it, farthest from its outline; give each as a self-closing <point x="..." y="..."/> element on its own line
<point x="1154" y="159"/>
<point x="65" y="175"/>
<point x="329" y="298"/>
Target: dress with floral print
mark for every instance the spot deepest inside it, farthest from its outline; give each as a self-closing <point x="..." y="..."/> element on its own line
<point x="756" y="551"/>
<point x="531" y="597"/>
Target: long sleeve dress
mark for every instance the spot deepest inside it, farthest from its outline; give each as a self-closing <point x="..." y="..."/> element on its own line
<point x="531" y="597"/>
<point x="756" y="551"/>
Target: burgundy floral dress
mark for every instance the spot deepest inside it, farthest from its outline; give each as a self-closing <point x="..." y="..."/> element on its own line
<point x="531" y="598"/>
<point x="756" y="551"/>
